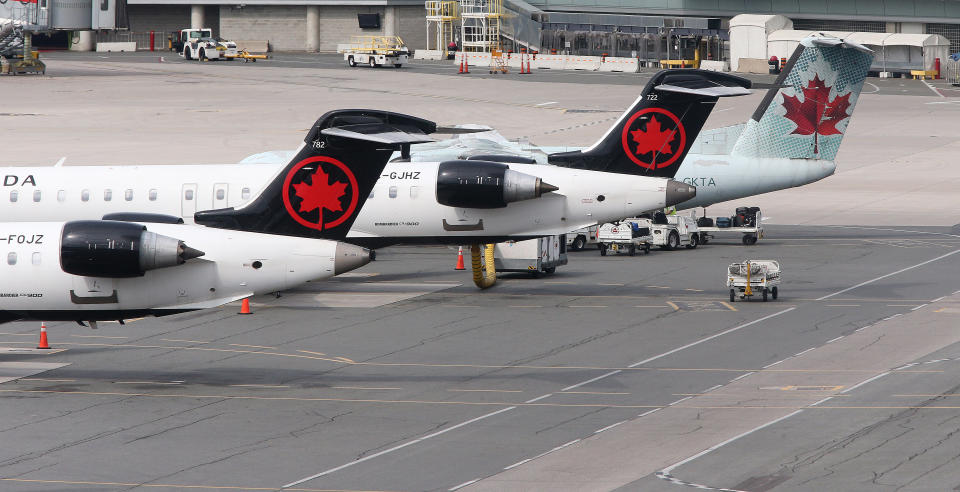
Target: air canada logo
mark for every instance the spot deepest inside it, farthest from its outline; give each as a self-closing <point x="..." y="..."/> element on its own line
<point x="653" y="138"/>
<point x="816" y="114"/>
<point x="320" y="192"/>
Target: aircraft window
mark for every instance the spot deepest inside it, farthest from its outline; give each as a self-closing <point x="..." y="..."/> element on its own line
<point x="36" y="258"/>
<point x="152" y="195"/>
<point x="188" y="195"/>
<point x="14" y="195"/>
<point x="245" y="193"/>
<point x="221" y="194"/>
<point x="107" y="195"/>
<point x="392" y="192"/>
<point x="12" y="258"/>
<point x="414" y="191"/>
<point x="36" y="195"/>
<point x="61" y="196"/>
<point x="128" y="195"/>
<point x="85" y="195"/>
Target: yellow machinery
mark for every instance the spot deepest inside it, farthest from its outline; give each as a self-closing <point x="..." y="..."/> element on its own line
<point x="484" y="267"/>
<point x="442" y="16"/>
<point x="246" y="56"/>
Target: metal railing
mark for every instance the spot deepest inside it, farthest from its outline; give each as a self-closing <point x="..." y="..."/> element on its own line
<point x="142" y="38"/>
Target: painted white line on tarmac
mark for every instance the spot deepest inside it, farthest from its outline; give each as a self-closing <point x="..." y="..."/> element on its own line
<point x="464" y="484"/>
<point x="861" y="284"/>
<point x="741" y="376"/>
<point x="611" y="373"/>
<point x="934" y="89"/>
<point x="609" y="427"/>
<point x="835" y="339"/>
<point x="917" y="307"/>
<point x="775" y="363"/>
<point x="667" y="470"/>
<point x="539" y="398"/>
<point x="395" y="448"/>
<point x="648" y="412"/>
<point x="861" y="383"/>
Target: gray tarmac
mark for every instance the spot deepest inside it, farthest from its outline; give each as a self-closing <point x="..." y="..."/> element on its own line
<point x="616" y="373"/>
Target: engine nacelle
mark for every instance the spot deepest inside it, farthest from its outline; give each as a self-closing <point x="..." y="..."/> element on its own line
<point x="112" y="249"/>
<point x="482" y="184"/>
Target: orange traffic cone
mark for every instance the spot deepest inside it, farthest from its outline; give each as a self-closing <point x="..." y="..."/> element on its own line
<point x="528" y="67"/>
<point x="461" y="65"/>
<point x="466" y="65"/>
<point x="460" y="260"/>
<point x="44" y="344"/>
<point x="245" y="307"/>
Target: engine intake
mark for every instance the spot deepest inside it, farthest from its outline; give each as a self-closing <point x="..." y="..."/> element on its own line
<point x="95" y="248"/>
<point x="482" y="184"/>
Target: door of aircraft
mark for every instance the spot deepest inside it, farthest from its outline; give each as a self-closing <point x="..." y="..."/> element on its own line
<point x="221" y="195"/>
<point x="188" y="202"/>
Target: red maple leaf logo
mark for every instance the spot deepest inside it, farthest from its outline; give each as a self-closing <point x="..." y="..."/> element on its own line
<point x="817" y="114"/>
<point x="654" y="138"/>
<point x="320" y="194"/>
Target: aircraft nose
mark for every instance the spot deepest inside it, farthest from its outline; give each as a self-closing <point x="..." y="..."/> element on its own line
<point x="350" y="257"/>
<point x="678" y="192"/>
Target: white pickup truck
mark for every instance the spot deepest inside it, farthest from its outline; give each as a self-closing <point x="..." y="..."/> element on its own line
<point x="628" y="235"/>
<point x="580" y="238"/>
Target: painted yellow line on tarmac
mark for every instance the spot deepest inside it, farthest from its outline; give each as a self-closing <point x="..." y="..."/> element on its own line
<point x="584" y="306"/>
<point x="362" y="388"/>
<point x="673" y="305"/>
<point x="48" y="380"/>
<point x="843" y="305"/>
<point x="259" y="386"/>
<point x="20" y="334"/>
<point x="181" y="340"/>
<point x="172" y="486"/>
<point x="252" y="346"/>
<point x="589" y="393"/>
<point x="145" y="382"/>
<point x="728" y="305"/>
<point x="496" y="366"/>
<point x="484" y="391"/>
<point x="499" y="404"/>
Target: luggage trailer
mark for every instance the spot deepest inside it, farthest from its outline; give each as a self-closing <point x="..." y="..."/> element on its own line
<point x="751" y="232"/>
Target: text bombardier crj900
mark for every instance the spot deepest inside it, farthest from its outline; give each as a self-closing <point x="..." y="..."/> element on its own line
<point x="450" y="202"/>
<point x="135" y="264"/>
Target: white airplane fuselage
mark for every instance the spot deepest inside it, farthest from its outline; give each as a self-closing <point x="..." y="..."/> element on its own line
<point x="234" y="265"/>
<point x="403" y="206"/>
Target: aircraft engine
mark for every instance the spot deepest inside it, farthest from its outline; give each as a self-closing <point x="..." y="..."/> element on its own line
<point x="112" y="249"/>
<point x="482" y="184"/>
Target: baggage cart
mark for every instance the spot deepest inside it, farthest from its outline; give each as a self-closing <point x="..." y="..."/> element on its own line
<point x="754" y="277"/>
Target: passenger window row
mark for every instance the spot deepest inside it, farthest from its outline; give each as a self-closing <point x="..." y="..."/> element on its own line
<point x="128" y="195"/>
<point x="12" y="258"/>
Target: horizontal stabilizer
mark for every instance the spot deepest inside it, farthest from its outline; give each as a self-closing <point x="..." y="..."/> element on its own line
<point x="378" y="133"/>
<point x="714" y="91"/>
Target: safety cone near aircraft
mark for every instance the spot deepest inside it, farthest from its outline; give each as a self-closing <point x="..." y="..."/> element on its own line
<point x="245" y="306"/>
<point x="44" y="343"/>
<point x="460" y="265"/>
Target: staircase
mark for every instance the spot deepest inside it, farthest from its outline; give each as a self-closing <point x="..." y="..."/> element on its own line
<point x="11" y="40"/>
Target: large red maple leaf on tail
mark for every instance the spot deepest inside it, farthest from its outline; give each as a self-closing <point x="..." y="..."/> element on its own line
<point x="653" y="139"/>
<point x="320" y="194"/>
<point x="817" y="114"/>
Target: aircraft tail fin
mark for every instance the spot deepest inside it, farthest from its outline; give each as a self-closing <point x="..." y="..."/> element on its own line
<point x="652" y="137"/>
<point x="805" y="114"/>
<point x="320" y="192"/>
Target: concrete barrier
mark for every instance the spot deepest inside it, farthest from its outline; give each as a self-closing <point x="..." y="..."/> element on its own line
<point x="473" y="59"/>
<point x="715" y="66"/>
<point x="551" y="62"/>
<point x="253" y="46"/>
<point x="574" y="62"/>
<point x="753" y="65"/>
<point x="428" y="55"/>
<point x="117" y="46"/>
<point x="619" y="64"/>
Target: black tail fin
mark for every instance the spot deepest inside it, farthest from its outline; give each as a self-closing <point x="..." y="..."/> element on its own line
<point x="652" y="137"/>
<point x="321" y="191"/>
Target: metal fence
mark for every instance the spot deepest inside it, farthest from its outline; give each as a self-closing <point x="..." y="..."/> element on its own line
<point x="142" y="38"/>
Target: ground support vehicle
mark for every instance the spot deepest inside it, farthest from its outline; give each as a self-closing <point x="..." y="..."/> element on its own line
<point x="628" y="235"/>
<point x="753" y="277"/>
<point x="749" y="223"/>
<point x="674" y="231"/>
<point x="581" y="238"/>
<point x="199" y="44"/>
<point x="534" y="256"/>
<point x="246" y="56"/>
<point x="375" y="51"/>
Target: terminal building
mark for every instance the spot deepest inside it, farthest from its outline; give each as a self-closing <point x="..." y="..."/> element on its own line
<point x="585" y="27"/>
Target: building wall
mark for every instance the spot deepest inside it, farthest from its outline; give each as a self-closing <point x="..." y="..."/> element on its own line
<point x="160" y="18"/>
<point x="338" y="23"/>
<point x="413" y="26"/>
<point x="284" y="26"/>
